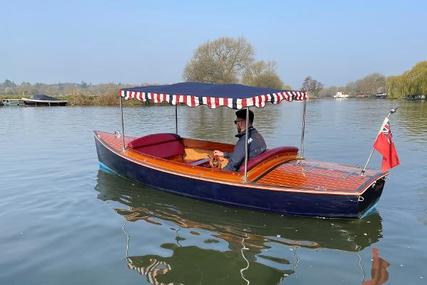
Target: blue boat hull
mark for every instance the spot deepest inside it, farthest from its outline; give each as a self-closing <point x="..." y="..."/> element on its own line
<point x="284" y="202"/>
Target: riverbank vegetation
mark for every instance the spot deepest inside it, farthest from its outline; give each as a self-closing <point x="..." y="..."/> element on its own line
<point x="78" y="94"/>
<point x="367" y="86"/>
<point x="410" y="83"/>
<point x="229" y="60"/>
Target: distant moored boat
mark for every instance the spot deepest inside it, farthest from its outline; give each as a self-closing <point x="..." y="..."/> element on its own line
<point x="340" y="95"/>
<point x="12" y="102"/>
<point x="416" y="97"/>
<point x="43" y="100"/>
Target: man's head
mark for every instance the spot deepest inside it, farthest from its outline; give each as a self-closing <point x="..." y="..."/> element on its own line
<point x="241" y="120"/>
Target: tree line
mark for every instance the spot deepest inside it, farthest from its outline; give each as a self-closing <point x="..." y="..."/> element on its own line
<point x="369" y="85"/>
<point x="230" y="60"/>
<point x="410" y="83"/>
<point x="76" y="93"/>
<point x="25" y="89"/>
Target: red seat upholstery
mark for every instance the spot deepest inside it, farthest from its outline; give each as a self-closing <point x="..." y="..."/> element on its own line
<point x="162" y="145"/>
<point x="266" y="155"/>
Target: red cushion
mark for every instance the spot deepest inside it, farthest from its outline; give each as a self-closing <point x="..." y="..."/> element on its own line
<point x="269" y="153"/>
<point x="161" y="145"/>
<point x="153" y="139"/>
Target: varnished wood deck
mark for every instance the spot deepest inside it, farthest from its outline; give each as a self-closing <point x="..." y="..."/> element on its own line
<point x="281" y="174"/>
<point x="112" y="141"/>
<point x="316" y="175"/>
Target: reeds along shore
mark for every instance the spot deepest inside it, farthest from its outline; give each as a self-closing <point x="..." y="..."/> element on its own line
<point x="110" y="99"/>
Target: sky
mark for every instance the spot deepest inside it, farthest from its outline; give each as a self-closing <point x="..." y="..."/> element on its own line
<point x="136" y="41"/>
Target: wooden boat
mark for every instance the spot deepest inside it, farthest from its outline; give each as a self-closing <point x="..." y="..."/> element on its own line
<point x="278" y="180"/>
<point x="43" y="100"/>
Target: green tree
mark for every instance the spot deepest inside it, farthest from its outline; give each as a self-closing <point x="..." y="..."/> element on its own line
<point x="220" y="61"/>
<point x="262" y="74"/>
<point x="412" y="82"/>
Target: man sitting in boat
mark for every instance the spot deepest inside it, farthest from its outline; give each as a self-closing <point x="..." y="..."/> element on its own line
<point x="256" y="143"/>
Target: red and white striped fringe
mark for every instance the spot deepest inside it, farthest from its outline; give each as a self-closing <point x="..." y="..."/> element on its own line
<point x="215" y="102"/>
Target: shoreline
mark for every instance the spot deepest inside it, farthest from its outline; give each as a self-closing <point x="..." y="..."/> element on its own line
<point x="112" y="99"/>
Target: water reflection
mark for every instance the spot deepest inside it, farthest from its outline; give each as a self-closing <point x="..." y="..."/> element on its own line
<point x="194" y="265"/>
<point x="414" y="116"/>
<point x="214" y="243"/>
<point x="379" y="273"/>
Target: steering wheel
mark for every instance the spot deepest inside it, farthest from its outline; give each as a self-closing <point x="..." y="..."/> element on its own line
<point x="214" y="161"/>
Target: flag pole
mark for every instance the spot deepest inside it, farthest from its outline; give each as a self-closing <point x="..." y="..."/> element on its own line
<point x="393" y="110"/>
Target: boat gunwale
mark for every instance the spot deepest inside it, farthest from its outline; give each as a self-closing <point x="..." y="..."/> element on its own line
<point x="250" y="185"/>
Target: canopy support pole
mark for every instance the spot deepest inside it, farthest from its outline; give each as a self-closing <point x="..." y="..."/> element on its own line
<point x="176" y="118"/>
<point x="245" y="179"/>
<point x="123" y="125"/>
<point x="301" y="150"/>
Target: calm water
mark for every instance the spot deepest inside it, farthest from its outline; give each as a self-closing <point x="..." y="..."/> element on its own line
<point x="63" y="221"/>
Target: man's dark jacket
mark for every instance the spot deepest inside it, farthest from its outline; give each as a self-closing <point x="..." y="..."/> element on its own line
<point x="256" y="145"/>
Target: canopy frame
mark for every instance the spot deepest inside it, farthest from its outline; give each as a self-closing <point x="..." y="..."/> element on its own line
<point x="123" y="125"/>
<point x="193" y="100"/>
<point x="192" y="94"/>
<point x="245" y="177"/>
<point x="176" y="119"/>
<point x="304" y="112"/>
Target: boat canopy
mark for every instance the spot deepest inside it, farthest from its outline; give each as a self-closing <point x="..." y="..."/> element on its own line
<point x="43" y="97"/>
<point x="193" y="94"/>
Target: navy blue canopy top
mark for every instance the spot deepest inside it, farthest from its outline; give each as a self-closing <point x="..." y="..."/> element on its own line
<point x="43" y="97"/>
<point x="194" y="94"/>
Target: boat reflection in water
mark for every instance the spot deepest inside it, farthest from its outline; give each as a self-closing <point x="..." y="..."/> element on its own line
<point x="218" y="244"/>
<point x="379" y="273"/>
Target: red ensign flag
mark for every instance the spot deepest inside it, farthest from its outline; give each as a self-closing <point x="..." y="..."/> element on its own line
<point x="384" y="144"/>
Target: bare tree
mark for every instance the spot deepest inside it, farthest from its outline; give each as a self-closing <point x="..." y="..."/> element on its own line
<point x="262" y="74"/>
<point x="219" y="61"/>
<point x="312" y="86"/>
<point x="330" y="91"/>
<point x="370" y="84"/>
